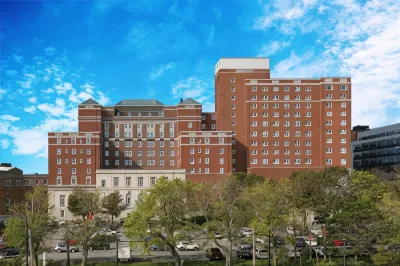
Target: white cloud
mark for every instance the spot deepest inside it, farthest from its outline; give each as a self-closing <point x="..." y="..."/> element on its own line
<point x="49" y="90"/>
<point x="32" y="100"/>
<point x="360" y="40"/>
<point x="282" y="13"/>
<point x="4" y="143"/>
<point x="18" y="58"/>
<point x="210" y="39"/>
<point x="194" y="88"/>
<point x="50" y="50"/>
<point x="102" y="99"/>
<point x="88" y="88"/>
<point x="9" y="118"/>
<point x="57" y="109"/>
<point x="272" y="48"/>
<point x="63" y="88"/>
<point x="160" y="71"/>
<point x="2" y="92"/>
<point x="31" y="109"/>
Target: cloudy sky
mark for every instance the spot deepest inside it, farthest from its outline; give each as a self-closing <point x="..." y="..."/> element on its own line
<point x="54" y="55"/>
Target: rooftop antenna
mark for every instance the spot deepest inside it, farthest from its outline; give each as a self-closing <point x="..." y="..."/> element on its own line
<point x="181" y="100"/>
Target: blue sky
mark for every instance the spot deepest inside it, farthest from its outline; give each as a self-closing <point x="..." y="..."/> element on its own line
<point x="54" y="55"/>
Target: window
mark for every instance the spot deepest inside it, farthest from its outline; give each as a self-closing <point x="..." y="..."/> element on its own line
<point x="140" y="181"/>
<point x="189" y="124"/>
<point x="207" y="151"/>
<point x="116" y="181"/>
<point x="233" y="106"/>
<point x="343" y="87"/>
<point x="221" y="151"/>
<point x="191" y="160"/>
<point x="221" y="160"/>
<point x="88" y="181"/>
<point x="88" y="140"/>
<point x="62" y="213"/>
<point x="342" y="150"/>
<point x="328" y="161"/>
<point x="253" y="161"/>
<point x="128" y="181"/>
<point x="343" y="161"/>
<point x="88" y="161"/>
<point x="275" y="161"/>
<point x="73" y="170"/>
<point x="7" y="183"/>
<point x="221" y="170"/>
<point x="103" y="183"/>
<point x="206" y="160"/>
<point x="171" y="162"/>
<point x="343" y="105"/>
<point x="232" y="79"/>
<point x="233" y="89"/>
<point x="88" y="171"/>
<point x="58" y="151"/>
<point x="62" y="201"/>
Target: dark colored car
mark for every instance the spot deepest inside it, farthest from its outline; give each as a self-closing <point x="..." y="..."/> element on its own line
<point x="214" y="254"/>
<point x="99" y="246"/>
<point x="9" y="253"/>
<point x="300" y="242"/>
<point x="244" y="251"/>
<point x="279" y="241"/>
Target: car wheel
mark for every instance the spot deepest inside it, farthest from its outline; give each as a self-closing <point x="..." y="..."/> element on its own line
<point x="196" y="249"/>
<point x="59" y="251"/>
<point x="182" y="249"/>
<point x="73" y="250"/>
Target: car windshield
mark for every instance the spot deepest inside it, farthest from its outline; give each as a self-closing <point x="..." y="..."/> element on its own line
<point x="215" y="250"/>
<point x="262" y="251"/>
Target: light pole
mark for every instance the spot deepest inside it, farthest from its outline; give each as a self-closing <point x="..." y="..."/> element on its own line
<point x="269" y="240"/>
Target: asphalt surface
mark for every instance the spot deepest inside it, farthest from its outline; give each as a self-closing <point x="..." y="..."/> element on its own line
<point x="111" y="254"/>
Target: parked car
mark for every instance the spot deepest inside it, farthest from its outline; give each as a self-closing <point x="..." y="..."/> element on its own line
<point x="192" y="246"/>
<point x="217" y="235"/>
<point x="292" y="254"/>
<point x="311" y="239"/>
<point x="182" y="245"/>
<point x="186" y="245"/>
<point x="317" y="231"/>
<point x="71" y="249"/>
<point x="99" y="246"/>
<point x="214" y="254"/>
<point x="261" y="253"/>
<point x="58" y="246"/>
<point x="279" y="241"/>
<point x="244" y="251"/>
<point x="9" y="253"/>
<point x="106" y="231"/>
<point x="264" y="241"/>
<point x="300" y="242"/>
<point x="318" y="251"/>
<point x="247" y="232"/>
<point x="155" y="248"/>
<point x="290" y="231"/>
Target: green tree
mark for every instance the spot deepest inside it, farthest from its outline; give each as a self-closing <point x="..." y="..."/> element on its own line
<point x="82" y="203"/>
<point x="163" y="210"/>
<point x="270" y="209"/>
<point x="358" y="217"/>
<point x="228" y="214"/>
<point x="248" y="180"/>
<point x="34" y="213"/>
<point x="113" y="205"/>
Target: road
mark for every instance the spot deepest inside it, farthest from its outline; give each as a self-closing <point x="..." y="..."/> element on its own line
<point x="109" y="255"/>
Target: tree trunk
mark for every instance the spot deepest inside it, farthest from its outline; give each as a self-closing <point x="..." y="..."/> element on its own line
<point x="112" y="219"/>
<point x="229" y="255"/>
<point x="35" y="258"/>
<point x="68" y="258"/>
<point x="85" y="248"/>
<point x="176" y="256"/>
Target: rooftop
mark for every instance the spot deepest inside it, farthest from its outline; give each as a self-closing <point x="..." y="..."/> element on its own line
<point x="189" y="101"/>
<point x="90" y="101"/>
<point x="139" y="103"/>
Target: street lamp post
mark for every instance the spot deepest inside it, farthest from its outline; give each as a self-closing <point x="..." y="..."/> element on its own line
<point x="269" y="241"/>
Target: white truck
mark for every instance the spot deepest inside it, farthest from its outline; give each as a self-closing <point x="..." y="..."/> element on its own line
<point x="124" y="254"/>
